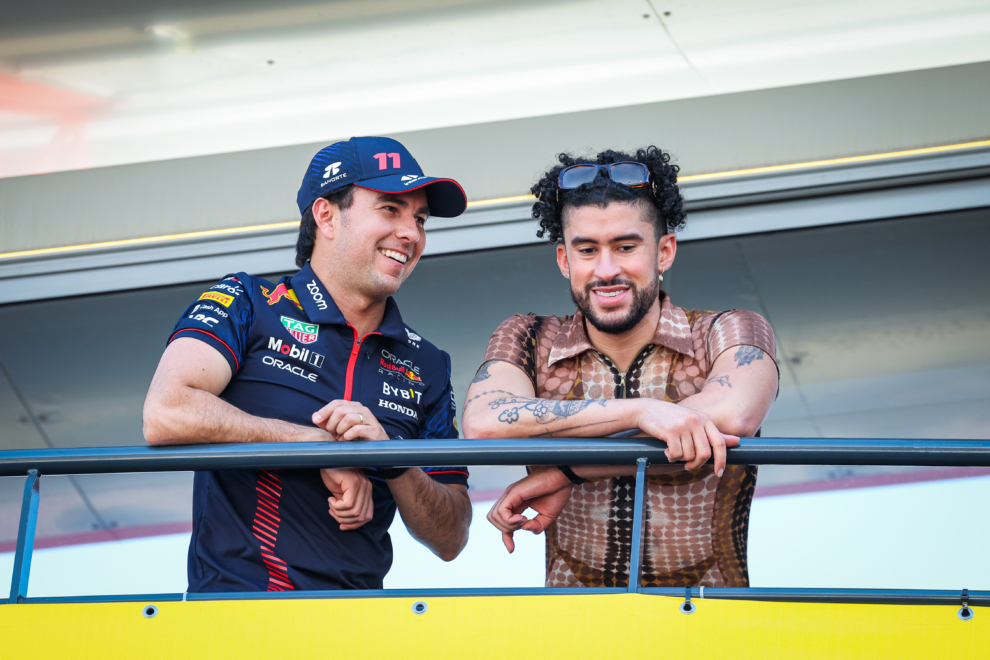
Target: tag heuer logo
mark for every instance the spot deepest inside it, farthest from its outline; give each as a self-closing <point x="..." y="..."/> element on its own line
<point x="305" y="333"/>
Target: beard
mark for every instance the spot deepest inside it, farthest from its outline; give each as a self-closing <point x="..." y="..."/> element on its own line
<point x="617" y="323"/>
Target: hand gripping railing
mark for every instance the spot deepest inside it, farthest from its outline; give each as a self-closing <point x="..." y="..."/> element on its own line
<point x="552" y="451"/>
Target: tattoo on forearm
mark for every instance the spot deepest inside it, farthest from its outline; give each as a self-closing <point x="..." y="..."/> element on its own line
<point x="747" y="354"/>
<point x="544" y="410"/>
<point x="483" y="394"/>
<point x="483" y="372"/>
<point x="721" y="380"/>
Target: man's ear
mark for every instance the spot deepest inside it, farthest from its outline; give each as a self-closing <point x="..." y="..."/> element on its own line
<point x="327" y="218"/>
<point x="666" y="251"/>
<point x="565" y="269"/>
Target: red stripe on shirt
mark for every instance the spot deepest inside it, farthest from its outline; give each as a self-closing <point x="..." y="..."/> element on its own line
<point x="237" y="364"/>
<point x="269" y="496"/>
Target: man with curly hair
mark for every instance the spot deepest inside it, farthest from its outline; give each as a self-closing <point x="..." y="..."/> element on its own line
<point x="627" y="360"/>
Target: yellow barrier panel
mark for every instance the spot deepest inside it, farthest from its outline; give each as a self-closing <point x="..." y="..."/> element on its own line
<point x="622" y="626"/>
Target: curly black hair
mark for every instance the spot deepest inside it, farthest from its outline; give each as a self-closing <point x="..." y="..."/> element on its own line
<point x="666" y="206"/>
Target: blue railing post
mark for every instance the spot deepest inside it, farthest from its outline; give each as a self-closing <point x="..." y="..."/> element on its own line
<point x="25" y="538"/>
<point x="635" y="551"/>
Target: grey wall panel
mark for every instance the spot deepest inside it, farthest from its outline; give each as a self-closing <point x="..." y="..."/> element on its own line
<point x="709" y="134"/>
<point x="17" y="430"/>
<point x="728" y="206"/>
<point x="839" y="209"/>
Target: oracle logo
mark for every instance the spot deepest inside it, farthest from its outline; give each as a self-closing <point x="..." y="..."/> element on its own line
<point x="291" y="368"/>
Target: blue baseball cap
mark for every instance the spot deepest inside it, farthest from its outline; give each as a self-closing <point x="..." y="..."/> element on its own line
<point x="379" y="164"/>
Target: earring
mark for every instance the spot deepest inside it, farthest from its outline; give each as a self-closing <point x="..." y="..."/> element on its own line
<point x="661" y="274"/>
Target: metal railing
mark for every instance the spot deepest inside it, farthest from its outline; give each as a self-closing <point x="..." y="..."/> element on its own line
<point x="553" y="451"/>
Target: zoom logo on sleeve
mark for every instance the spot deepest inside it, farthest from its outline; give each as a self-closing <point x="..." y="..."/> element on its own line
<point x="405" y="410"/>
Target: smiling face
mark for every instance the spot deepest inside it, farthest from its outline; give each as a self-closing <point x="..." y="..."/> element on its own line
<point x="374" y="244"/>
<point x="613" y="258"/>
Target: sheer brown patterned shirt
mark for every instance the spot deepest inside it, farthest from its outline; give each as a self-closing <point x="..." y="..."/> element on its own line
<point x="695" y="523"/>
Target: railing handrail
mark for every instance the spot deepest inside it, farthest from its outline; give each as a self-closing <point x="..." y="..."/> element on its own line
<point x="530" y="451"/>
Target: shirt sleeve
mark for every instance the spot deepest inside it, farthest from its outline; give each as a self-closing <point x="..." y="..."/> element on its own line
<point x="222" y="318"/>
<point x="740" y="328"/>
<point x="515" y="342"/>
<point x="441" y="422"/>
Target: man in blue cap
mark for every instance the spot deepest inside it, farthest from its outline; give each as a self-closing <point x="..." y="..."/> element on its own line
<point x="256" y="361"/>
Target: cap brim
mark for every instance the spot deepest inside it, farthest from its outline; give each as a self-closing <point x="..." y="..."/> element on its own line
<point x="445" y="197"/>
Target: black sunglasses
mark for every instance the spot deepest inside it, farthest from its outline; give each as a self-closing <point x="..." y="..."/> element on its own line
<point x="627" y="173"/>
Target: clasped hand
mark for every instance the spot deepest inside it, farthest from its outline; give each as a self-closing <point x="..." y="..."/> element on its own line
<point x="349" y="420"/>
<point x="351" y="502"/>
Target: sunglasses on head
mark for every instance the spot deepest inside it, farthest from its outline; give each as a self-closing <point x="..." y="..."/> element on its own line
<point x="627" y="173"/>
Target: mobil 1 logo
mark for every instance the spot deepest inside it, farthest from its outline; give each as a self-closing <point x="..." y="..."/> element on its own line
<point x="293" y="351"/>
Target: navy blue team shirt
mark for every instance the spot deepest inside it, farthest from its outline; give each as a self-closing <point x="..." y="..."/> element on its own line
<point x="291" y="351"/>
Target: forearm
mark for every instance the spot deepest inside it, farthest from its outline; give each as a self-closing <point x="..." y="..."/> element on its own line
<point x="739" y="391"/>
<point x="729" y="417"/>
<point x="437" y="515"/>
<point x="502" y="414"/>
<point x="185" y="415"/>
<point x="597" y="471"/>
